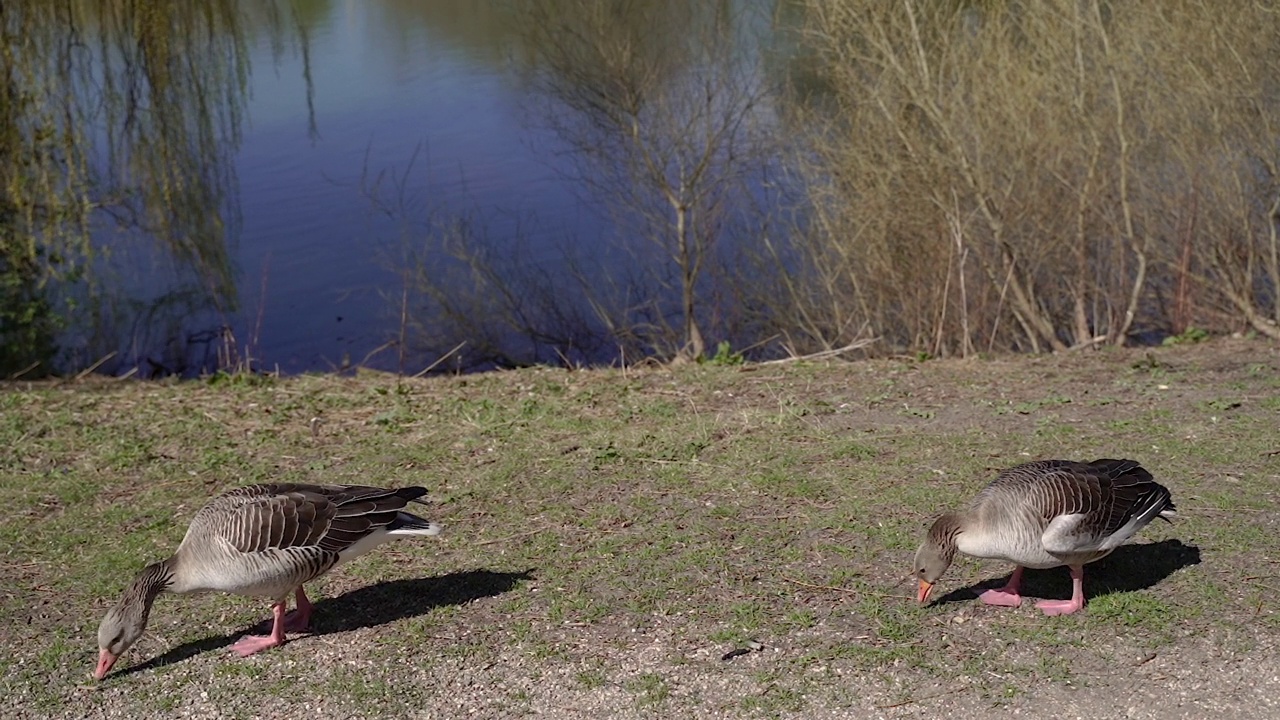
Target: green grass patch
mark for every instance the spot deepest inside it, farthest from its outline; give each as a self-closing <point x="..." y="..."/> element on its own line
<point x="619" y="531"/>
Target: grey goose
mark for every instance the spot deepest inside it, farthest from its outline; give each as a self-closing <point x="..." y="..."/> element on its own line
<point x="264" y="540"/>
<point x="1044" y="514"/>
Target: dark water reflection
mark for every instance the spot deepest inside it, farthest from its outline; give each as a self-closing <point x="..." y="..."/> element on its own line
<point x="366" y="126"/>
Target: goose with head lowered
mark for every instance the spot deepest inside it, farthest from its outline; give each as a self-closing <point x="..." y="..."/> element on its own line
<point x="264" y="540"/>
<point x="1044" y="514"/>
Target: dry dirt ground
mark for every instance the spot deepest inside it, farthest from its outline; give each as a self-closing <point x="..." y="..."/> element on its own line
<point x="611" y="535"/>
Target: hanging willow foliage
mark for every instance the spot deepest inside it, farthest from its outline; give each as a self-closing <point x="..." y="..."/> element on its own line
<point x="118" y="120"/>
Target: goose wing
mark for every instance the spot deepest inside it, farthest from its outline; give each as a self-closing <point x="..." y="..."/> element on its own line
<point x="1090" y="507"/>
<point x="276" y="516"/>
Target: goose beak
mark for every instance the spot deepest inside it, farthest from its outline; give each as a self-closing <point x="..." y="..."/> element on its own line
<point x="923" y="595"/>
<point x="105" y="661"/>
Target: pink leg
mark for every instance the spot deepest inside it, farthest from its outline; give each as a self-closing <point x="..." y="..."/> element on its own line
<point x="1066" y="607"/>
<point x="250" y="644"/>
<point x="1006" y="596"/>
<point x="299" y="620"/>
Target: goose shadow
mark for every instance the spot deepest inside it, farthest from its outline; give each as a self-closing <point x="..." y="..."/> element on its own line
<point x="367" y="606"/>
<point x="1126" y="569"/>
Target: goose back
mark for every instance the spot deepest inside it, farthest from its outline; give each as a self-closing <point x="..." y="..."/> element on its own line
<point x="268" y="539"/>
<point x="1054" y="512"/>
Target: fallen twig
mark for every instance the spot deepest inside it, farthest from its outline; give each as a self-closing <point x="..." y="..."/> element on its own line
<point x="441" y="359"/>
<point x="509" y="537"/>
<point x="1145" y="660"/>
<point x="694" y="461"/>
<point x="1270" y="453"/>
<point x="802" y="583"/>
<point x="855" y="345"/>
<point x="908" y="701"/>
<point x="89" y="370"/>
<point x="369" y="355"/>
<point x="1095" y="340"/>
<point x="753" y="346"/>
<point x="1206" y="510"/>
<point x="25" y="370"/>
<point x="752" y="646"/>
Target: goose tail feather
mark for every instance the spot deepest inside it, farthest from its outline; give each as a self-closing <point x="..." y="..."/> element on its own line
<point x="407" y="524"/>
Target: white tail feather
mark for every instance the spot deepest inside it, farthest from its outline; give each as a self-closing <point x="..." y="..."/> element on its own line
<point x="378" y="537"/>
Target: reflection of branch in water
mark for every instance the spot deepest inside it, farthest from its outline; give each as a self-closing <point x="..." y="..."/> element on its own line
<point x="304" y="49"/>
<point x="158" y="368"/>
<point x="200" y="353"/>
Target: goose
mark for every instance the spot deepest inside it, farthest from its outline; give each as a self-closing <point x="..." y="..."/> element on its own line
<point x="264" y="540"/>
<point x="1041" y="515"/>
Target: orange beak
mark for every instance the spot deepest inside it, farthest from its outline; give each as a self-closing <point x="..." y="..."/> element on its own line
<point x="923" y="595"/>
<point x="105" y="661"/>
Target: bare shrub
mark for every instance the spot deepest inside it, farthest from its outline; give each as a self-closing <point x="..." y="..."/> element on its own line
<point x="1034" y="176"/>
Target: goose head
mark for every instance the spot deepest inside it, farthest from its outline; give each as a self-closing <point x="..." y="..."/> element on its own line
<point x="120" y="629"/>
<point x="935" y="554"/>
<point x="125" y="622"/>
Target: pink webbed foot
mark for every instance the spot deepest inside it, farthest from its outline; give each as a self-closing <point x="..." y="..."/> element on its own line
<point x="1001" y="597"/>
<point x="1006" y="596"/>
<point x="250" y="644"/>
<point x="1066" y="607"/>
<point x="1059" y="607"/>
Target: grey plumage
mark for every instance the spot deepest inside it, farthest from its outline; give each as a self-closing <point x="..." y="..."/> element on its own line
<point x="1043" y="514"/>
<point x="1079" y="511"/>
<point x="265" y="540"/>
<point x="269" y="539"/>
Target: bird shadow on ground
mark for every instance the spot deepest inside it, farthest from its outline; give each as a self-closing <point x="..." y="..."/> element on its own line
<point x="1128" y="568"/>
<point x="368" y="606"/>
<point x="374" y="605"/>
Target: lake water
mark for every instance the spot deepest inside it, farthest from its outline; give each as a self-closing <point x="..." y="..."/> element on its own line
<point x="315" y="184"/>
<point x="419" y="91"/>
<point x="422" y="99"/>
